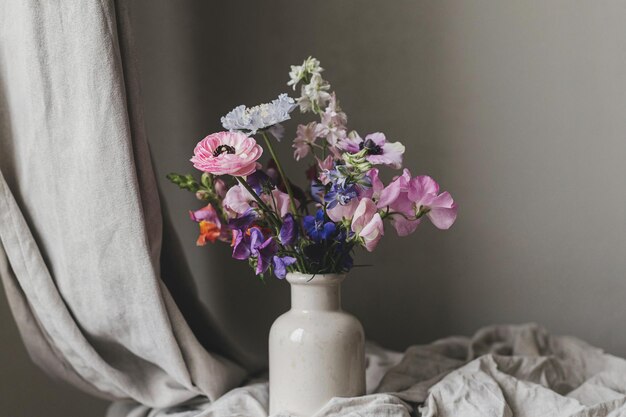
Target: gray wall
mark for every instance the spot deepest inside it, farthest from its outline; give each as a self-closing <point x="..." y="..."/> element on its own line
<point x="517" y="108"/>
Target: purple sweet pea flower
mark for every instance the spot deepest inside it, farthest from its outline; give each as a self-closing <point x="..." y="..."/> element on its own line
<point x="379" y="151"/>
<point x="243" y="221"/>
<point x="280" y="265"/>
<point x="260" y="181"/>
<point x="241" y="245"/>
<point x="263" y="250"/>
<point x="289" y="230"/>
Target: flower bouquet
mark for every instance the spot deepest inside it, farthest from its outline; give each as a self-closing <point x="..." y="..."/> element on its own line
<point x="316" y="349"/>
<point x="279" y="227"/>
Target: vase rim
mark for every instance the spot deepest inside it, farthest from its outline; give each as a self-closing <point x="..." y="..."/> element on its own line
<point x="314" y="279"/>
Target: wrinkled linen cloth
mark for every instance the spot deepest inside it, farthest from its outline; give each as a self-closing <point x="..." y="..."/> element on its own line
<point x="502" y="371"/>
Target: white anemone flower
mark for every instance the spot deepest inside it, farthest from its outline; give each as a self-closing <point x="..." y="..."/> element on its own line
<point x="253" y="119"/>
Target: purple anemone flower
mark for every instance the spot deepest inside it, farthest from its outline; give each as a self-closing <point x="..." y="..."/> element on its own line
<point x="378" y="150"/>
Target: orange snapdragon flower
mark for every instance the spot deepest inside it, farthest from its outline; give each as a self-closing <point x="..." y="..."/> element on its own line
<point x="208" y="231"/>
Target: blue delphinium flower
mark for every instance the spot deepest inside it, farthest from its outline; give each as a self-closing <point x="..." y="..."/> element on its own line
<point x="317" y="228"/>
<point x="344" y="183"/>
<point x="340" y="194"/>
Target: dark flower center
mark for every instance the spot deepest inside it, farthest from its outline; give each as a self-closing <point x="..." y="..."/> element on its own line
<point x="223" y="148"/>
<point x="371" y="147"/>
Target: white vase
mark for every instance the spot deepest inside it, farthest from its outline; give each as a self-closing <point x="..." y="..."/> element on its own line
<point x="316" y="350"/>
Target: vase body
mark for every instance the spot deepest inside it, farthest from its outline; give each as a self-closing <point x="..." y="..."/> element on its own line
<point x="316" y="350"/>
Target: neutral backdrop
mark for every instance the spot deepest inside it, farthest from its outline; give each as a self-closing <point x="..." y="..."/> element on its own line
<point x="517" y="108"/>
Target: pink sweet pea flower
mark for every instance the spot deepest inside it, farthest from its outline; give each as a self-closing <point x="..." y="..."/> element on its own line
<point x="232" y="153"/>
<point x="237" y="201"/>
<point x="367" y="223"/>
<point x="379" y="151"/>
<point x="340" y="212"/>
<point x="377" y="187"/>
<point x="372" y="233"/>
<point x="278" y="201"/>
<point x="409" y="196"/>
<point x="424" y="192"/>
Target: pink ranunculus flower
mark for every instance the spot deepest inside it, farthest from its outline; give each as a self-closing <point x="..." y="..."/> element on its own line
<point x="231" y="153"/>
<point x="408" y="196"/>
<point x="367" y="223"/>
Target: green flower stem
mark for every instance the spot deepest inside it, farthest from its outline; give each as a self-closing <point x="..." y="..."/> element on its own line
<point x="292" y="201"/>
<point x="419" y="215"/>
<point x="260" y="202"/>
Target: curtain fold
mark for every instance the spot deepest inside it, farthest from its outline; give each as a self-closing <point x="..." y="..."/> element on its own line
<point x="80" y="221"/>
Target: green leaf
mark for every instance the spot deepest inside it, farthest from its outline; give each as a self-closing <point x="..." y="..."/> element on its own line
<point x="185" y="182"/>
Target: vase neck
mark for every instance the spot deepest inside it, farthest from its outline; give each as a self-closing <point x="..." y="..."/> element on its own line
<point x="321" y="293"/>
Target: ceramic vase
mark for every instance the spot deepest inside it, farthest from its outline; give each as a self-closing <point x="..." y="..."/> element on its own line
<point x="316" y="350"/>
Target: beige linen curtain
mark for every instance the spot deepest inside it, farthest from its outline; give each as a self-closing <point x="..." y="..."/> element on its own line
<point x="80" y="222"/>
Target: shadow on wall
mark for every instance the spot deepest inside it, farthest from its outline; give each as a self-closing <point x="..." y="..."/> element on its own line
<point x="512" y="108"/>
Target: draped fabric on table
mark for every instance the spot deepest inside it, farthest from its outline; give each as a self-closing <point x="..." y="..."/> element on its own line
<point x="80" y="222"/>
<point x="502" y="371"/>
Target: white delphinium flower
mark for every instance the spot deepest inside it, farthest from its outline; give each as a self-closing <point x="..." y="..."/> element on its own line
<point x="309" y="67"/>
<point x="259" y="117"/>
<point x="314" y="95"/>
